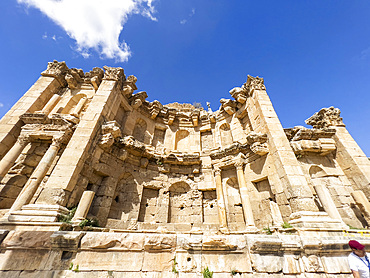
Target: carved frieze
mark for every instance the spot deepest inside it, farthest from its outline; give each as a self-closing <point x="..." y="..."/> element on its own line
<point x="258" y="143"/>
<point x="326" y="117"/>
<point x="57" y="70"/>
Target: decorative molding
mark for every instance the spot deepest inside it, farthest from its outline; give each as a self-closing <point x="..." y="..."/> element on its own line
<point x="129" y="86"/>
<point x="114" y="74"/>
<point x="258" y="143"/>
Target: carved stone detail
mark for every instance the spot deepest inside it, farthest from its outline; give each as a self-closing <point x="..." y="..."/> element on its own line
<point x="326" y="117"/>
<point x="258" y="143"/>
<point x="57" y="70"/>
<point x="239" y="94"/>
<point x="195" y="117"/>
<point x="138" y="99"/>
<point x="171" y="116"/>
<point x="155" y="108"/>
<point x="114" y="74"/>
<point x="129" y="86"/>
<point x="254" y="83"/>
<point x="228" y="105"/>
<point x="110" y="131"/>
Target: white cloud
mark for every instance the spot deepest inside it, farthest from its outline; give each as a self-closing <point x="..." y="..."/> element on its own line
<point x="1" y="105"/>
<point x="94" y="24"/>
<point x="184" y="21"/>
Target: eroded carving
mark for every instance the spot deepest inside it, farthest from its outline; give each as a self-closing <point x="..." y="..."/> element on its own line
<point x="326" y="117"/>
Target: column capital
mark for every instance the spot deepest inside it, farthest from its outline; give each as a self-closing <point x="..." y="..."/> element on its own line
<point x="239" y="165"/>
<point x="23" y="139"/>
<point x="253" y="83"/>
<point x="217" y="170"/>
<point x="114" y="74"/>
<point x="57" y="70"/>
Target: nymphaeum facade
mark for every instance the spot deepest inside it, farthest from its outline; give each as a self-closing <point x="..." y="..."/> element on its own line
<point x="174" y="188"/>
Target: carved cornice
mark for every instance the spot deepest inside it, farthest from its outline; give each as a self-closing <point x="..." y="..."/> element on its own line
<point x="258" y="143"/>
<point x="253" y="83"/>
<point x="232" y="150"/>
<point x="138" y="99"/>
<point x="326" y="117"/>
<point x="228" y="105"/>
<point x="171" y="114"/>
<point x="155" y="107"/>
<point x="129" y="86"/>
<point x="239" y="94"/>
<point x="57" y="70"/>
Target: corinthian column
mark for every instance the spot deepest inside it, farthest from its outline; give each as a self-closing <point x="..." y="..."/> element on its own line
<point x="247" y="208"/>
<point x="8" y="160"/>
<point x="37" y="176"/>
<point x="220" y="199"/>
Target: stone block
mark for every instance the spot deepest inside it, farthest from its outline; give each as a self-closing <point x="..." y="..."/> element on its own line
<point x="335" y="265"/>
<point x="158" y="261"/>
<point x="66" y="240"/>
<point x="225" y="262"/>
<point x="104" y="261"/>
<point x="113" y="241"/>
<point x="267" y="263"/>
<point x="27" y="239"/>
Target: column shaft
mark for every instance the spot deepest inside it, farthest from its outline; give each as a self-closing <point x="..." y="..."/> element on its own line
<point x="247" y="208"/>
<point x="84" y="206"/>
<point x="220" y="200"/>
<point x="327" y="202"/>
<point x="77" y="109"/>
<point x="51" y="104"/>
<point x="8" y="160"/>
<point x="37" y="176"/>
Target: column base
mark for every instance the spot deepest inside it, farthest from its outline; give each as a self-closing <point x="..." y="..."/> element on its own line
<point x="37" y="213"/>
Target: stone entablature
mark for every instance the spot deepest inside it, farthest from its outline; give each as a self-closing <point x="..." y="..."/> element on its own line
<point x="204" y="178"/>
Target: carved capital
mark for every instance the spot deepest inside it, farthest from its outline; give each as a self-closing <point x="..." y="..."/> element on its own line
<point x="96" y="76"/>
<point x="239" y="165"/>
<point x="217" y="170"/>
<point x="113" y="128"/>
<point x="57" y="141"/>
<point x="253" y="83"/>
<point x="326" y="117"/>
<point x="114" y="74"/>
<point x="23" y="139"/>
<point x="57" y="70"/>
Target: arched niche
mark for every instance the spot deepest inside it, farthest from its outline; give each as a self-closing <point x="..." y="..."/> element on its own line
<point x="182" y="140"/>
<point x="140" y="130"/>
<point x="180" y="205"/>
<point x="225" y="134"/>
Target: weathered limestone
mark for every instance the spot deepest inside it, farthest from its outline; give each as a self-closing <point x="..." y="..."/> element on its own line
<point x="8" y="160"/>
<point x="220" y="199"/>
<point x="247" y="209"/>
<point x="169" y="190"/>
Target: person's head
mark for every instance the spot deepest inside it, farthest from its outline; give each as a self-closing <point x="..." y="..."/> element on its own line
<point x="357" y="248"/>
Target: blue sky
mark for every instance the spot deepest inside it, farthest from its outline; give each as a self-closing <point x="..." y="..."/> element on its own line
<point x="312" y="54"/>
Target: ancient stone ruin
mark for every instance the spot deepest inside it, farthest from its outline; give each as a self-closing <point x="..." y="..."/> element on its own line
<point x="96" y="181"/>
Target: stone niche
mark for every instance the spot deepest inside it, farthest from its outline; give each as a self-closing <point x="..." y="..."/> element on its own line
<point x="169" y="190"/>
